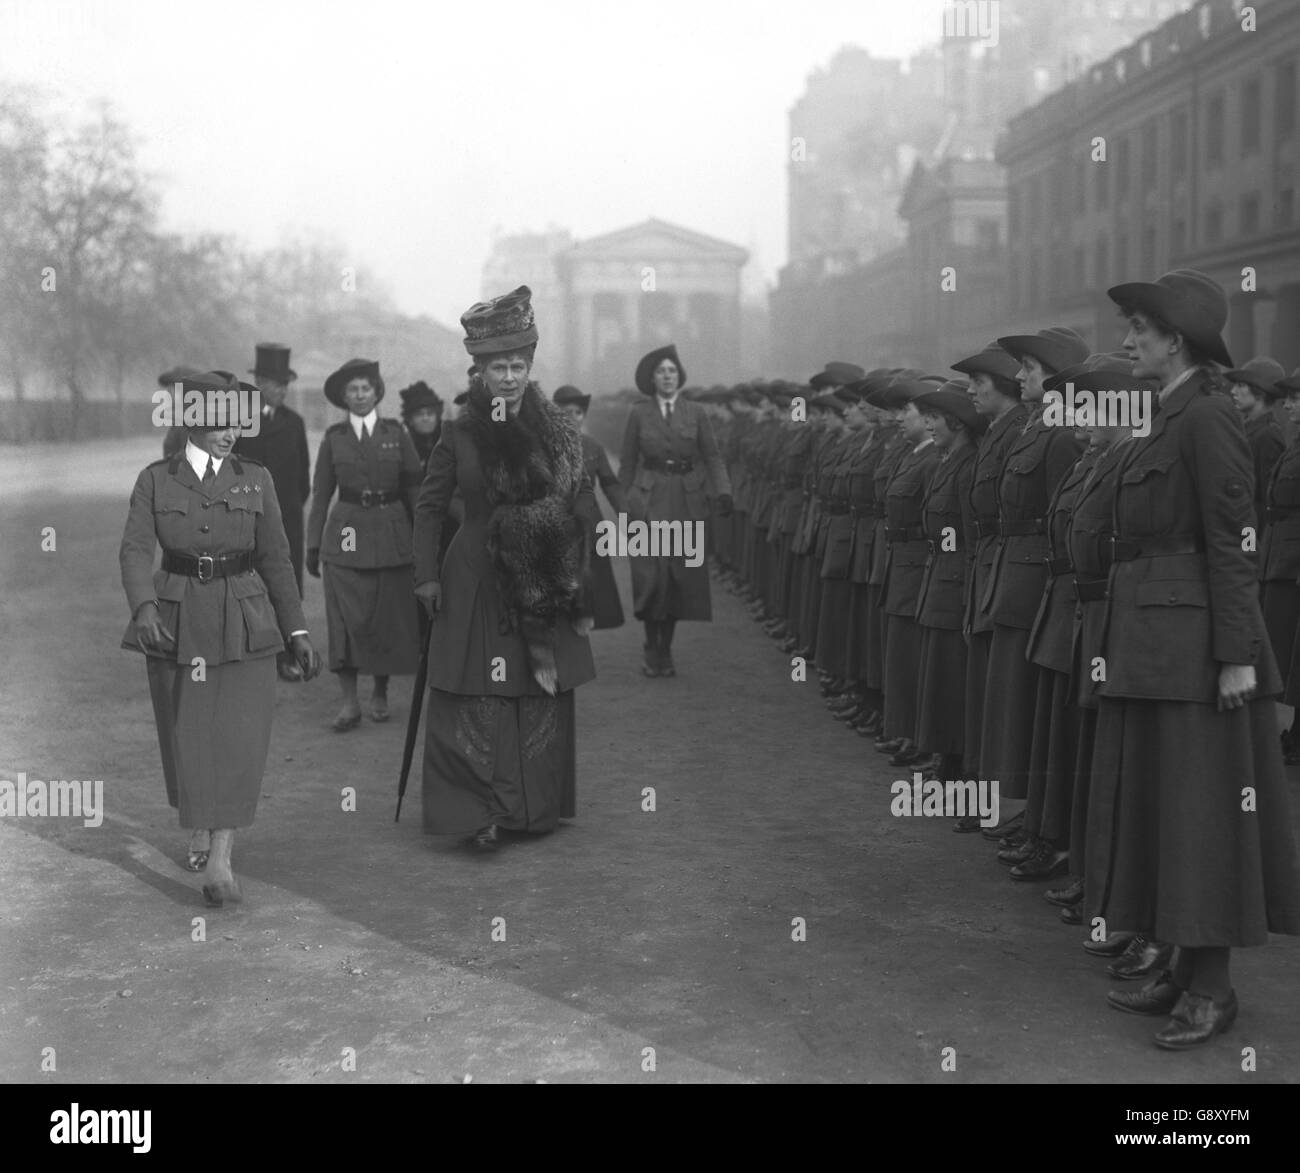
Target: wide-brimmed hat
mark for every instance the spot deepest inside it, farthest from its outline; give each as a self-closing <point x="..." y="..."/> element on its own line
<point x="992" y="360"/>
<point x="272" y="362"/>
<point x="1110" y="372"/>
<point x="952" y="399"/>
<point x="354" y="368"/>
<point x="570" y="394"/>
<point x="418" y="396"/>
<point x="220" y="408"/>
<point x="500" y="324"/>
<point x="169" y="378"/>
<point x="1058" y="381"/>
<point x="1290" y="384"/>
<point x="645" y="369"/>
<point x="1188" y="301"/>
<point x="1260" y="373"/>
<point x="1056" y="347"/>
<point x="836" y="374"/>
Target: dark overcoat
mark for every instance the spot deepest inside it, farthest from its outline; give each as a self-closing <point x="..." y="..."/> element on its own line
<point x="281" y="445"/>
<point x="990" y="460"/>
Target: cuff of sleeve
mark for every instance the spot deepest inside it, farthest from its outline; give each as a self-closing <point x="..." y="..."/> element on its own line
<point x="293" y="633"/>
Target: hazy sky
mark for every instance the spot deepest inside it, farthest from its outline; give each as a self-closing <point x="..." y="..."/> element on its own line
<point x="412" y="130"/>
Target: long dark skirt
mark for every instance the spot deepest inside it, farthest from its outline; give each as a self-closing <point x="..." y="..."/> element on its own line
<point x="213" y="735"/>
<point x="811" y="596"/>
<point x="794" y="607"/>
<point x="495" y="759"/>
<point x="604" y="590"/>
<point x="373" y="620"/>
<point x="873" y="638"/>
<point x="833" y="626"/>
<point x="1007" y="735"/>
<point x="1053" y="758"/>
<point x="902" y="659"/>
<point x="977" y="671"/>
<point x="855" y="637"/>
<point x="1171" y="853"/>
<point x="941" y="692"/>
<point x="1280" y="602"/>
<point x="1082" y="790"/>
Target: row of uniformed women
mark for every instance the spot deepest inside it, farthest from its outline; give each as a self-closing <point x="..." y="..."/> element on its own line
<point x="1119" y="677"/>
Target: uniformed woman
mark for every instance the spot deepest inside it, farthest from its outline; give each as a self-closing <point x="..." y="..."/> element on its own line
<point x="1285" y="487"/>
<point x="511" y="612"/>
<point x="210" y="623"/>
<point x="669" y="457"/>
<point x="608" y="609"/>
<point x="365" y="544"/>
<point x="1254" y="391"/>
<point x="1189" y="835"/>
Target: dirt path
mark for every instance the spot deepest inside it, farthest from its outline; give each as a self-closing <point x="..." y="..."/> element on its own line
<point x="625" y="930"/>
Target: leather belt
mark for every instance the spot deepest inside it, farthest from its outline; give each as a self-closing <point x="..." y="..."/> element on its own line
<point x="904" y="533"/>
<point x="1279" y="512"/>
<point x="367" y="498"/>
<point x="936" y="543"/>
<point x="1092" y="591"/>
<point x="1020" y="529"/>
<point x="876" y="510"/>
<point x="1126" y="549"/>
<point x="206" y="567"/>
<point x="1058" y="566"/>
<point x="672" y="467"/>
<point x="986" y="527"/>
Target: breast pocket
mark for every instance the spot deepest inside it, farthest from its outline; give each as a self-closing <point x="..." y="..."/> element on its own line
<point x="1146" y="494"/>
<point x="239" y="531"/>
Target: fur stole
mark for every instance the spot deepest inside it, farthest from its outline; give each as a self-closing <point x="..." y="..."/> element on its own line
<point x="532" y="471"/>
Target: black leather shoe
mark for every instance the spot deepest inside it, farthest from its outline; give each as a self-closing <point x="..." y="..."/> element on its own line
<point x="890" y="745"/>
<point x="1066" y="897"/>
<point x="1047" y="862"/>
<point x="1072" y="914"/>
<point x="850" y="714"/>
<point x="1158" y="996"/>
<point x="1006" y="829"/>
<point x="1141" y="958"/>
<point x="909" y="755"/>
<point x="1196" y="1019"/>
<point x="485" y="840"/>
<point x="966" y="824"/>
<point x="847" y="700"/>
<point x="1113" y="945"/>
<point x="872" y="725"/>
<point x="1017" y="855"/>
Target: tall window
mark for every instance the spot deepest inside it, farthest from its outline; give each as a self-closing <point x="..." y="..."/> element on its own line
<point x="1250" y="205"/>
<point x="1178" y="144"/>
<point x="1101" y="276"/>
<point x="1123" y="160"/>
<point x="1214" y="224"/>
<point x="1149" y="160"/>
<point x="1214" y="114"/>
<point x="1101" y="180"/>
<point x="1285" y="99"/>
<point x="1252" y="106"/>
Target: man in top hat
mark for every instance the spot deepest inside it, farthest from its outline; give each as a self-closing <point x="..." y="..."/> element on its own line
<point x="1255" y="390"/>
<point x="281" y="445"/>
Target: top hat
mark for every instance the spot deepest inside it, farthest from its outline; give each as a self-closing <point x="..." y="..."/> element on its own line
<point x="952" y="399"/>
<point x="645" y="369"/>
<point x="570" y="394"/>
<point x="502" y="324"/>
<point x="354" y="368"/>
<point x="1188" y="301"/>
<point x="992" y="360"/>
<point x="418" y="396"/>
<point x="1260" y="374"/>
<point x="177" y="374"/>
<point x="272" y="362"/>
<point x="1056" y="347"/>
<point x="836" y="374"/>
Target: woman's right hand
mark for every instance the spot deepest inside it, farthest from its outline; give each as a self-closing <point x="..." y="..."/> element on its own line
<point x="430" y="596"/>
<point x="150" y="633"/>
<point x="313" y="563"/>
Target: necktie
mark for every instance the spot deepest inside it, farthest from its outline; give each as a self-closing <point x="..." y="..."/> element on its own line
<point x="668" y="412"/>
<point x="365" y="434"/>
<point x="209" y="473"/>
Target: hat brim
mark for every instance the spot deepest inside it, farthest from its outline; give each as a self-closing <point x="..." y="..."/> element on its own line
<point x="645" y="369"/>
<point x="1148" y="297"/>
<point x="985" y="364"/>
<point x="502" y="343"/>
<point x="1252" y="380"/>
<point x="335" y="384"/>
<point x="285" y="376"/>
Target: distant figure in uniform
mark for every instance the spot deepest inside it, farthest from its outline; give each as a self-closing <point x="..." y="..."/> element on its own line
<point x="1189" y="832"/>
<point x="1254" y="390"/>
<point x="608" y="607"/>
<point x="669" y="457"/>
<point x="210" y="623"/>
<point x="365" y="543"/>
<point x="422" y="415"/>
<point x="174" y="438"/>
<point x="281" y="445"/>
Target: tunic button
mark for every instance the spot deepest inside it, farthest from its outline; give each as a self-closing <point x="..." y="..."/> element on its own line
<point x="204" y="529"/>
<point x="207" y="504"/>
<point x="1173" y="598"/>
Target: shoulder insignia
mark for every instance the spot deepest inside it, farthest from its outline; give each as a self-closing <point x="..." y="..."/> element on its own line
<point x="338" y="427"/>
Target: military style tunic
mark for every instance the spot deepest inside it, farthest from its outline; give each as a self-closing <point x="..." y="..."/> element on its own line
<point x="1279" y="560"/>
<point x="213" y="730"/>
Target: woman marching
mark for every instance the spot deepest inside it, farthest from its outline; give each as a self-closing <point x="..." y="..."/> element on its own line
<point x="669" y="453"/>
<point x="607" y="606"/>
<point x="210" y="623"/>
<point x="365" y="542"/>
<point x="511" y="614"/>
<point x="1189" y="836"/>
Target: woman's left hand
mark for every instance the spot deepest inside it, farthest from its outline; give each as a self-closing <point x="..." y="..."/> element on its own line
<point x="307" y="657"/>
<point x="583" y="625"/>
<point x="1236" y="685"/>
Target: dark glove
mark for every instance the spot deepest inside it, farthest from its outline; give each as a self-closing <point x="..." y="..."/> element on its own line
<point x="313" y="563"/>
<point x="725" y="505"/>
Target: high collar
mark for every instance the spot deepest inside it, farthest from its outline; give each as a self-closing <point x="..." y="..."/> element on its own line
<point x="368" y="420"/>
<point x="198" y="459"/>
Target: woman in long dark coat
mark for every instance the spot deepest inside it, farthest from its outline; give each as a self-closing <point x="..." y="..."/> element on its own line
<point x="211" y="622"/>
<point x="364" y="541"/>
<point x="669" y="457"/>
<point x="1189" y="836"/>
<point x="510" y="607"/>
<point x="605" y="601"/>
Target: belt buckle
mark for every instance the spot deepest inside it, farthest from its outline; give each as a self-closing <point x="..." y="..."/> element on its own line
<point x="366" y="497"/>
<point x="212" y="568"/>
